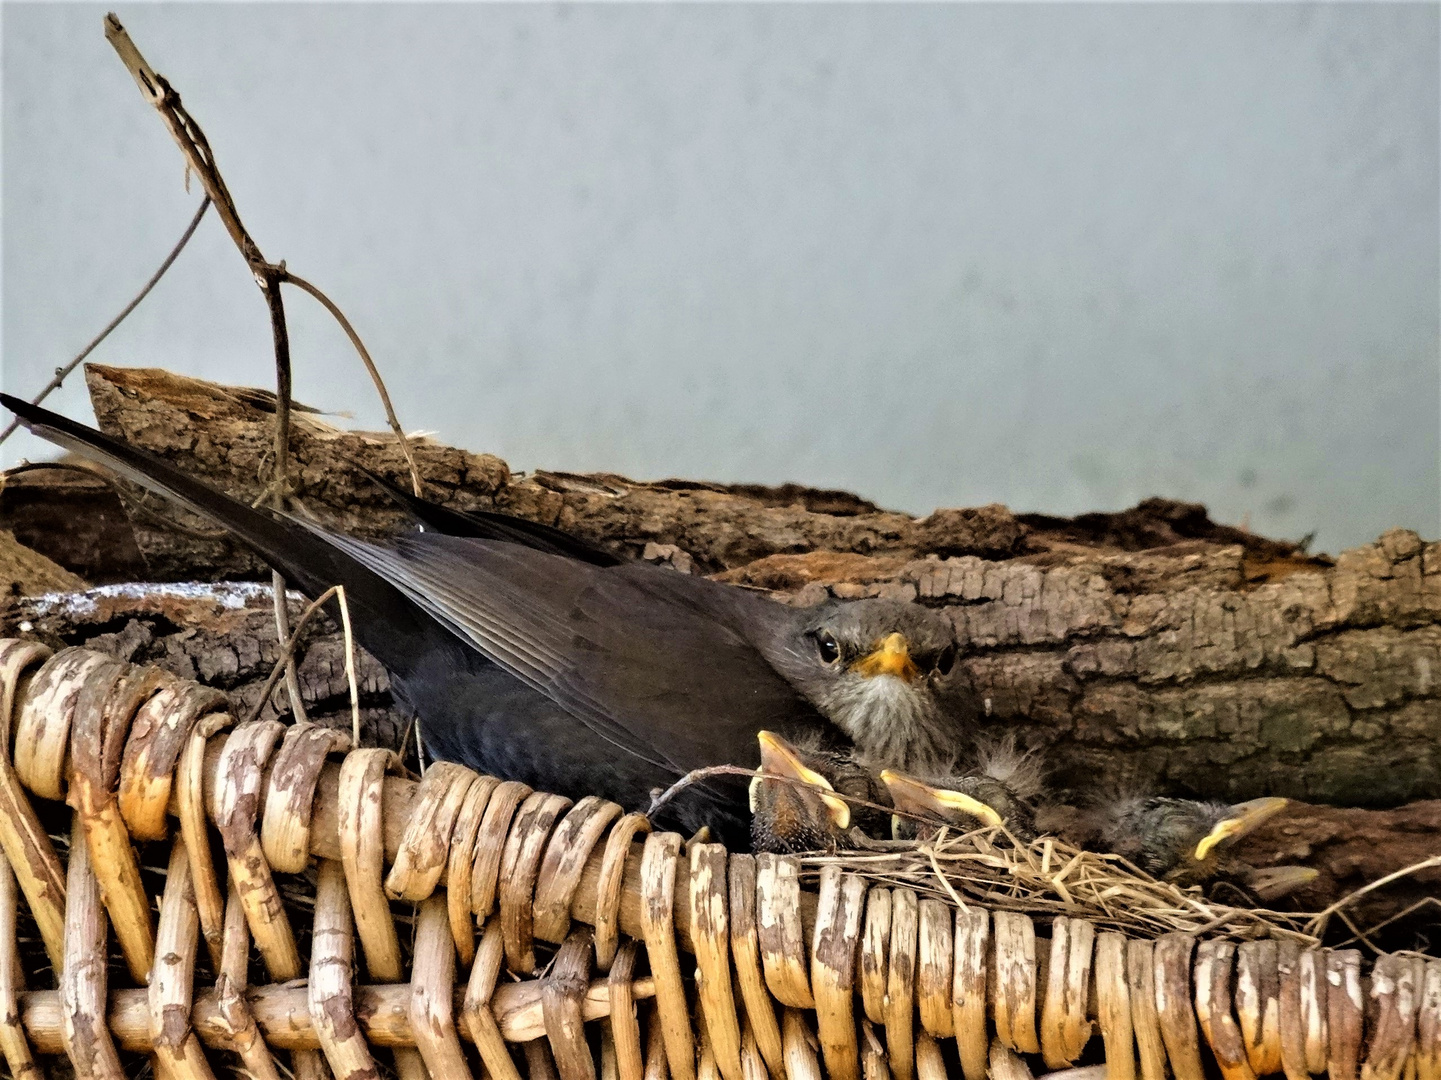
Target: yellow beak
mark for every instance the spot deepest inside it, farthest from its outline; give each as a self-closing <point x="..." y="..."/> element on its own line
<point x="891" y="656"/>
<point x="913" y="796"/>
<point x="779" y="758"/>
<point x="1244" y="818"/>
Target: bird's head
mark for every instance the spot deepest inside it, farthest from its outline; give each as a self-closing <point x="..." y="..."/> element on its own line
<point x="879" y="670"/>
<point x="1189" y="842"/>
<point x="941" y="804"/>
<point x="793" y="806"/>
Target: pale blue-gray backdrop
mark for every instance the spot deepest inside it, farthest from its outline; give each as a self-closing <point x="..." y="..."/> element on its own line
<point x="1062" y="257"/>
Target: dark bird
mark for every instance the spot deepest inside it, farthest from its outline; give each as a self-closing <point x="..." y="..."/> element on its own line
<point x="1189" y="842"/>
<point x="490" y="525"/>
<point x="792" y="805"/>
<point x="582" y="678"/>
<point x="1001" y="790"/>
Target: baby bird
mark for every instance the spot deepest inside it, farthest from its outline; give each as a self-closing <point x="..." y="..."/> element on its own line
<point x="800" y="809"/>
<point x="1188" y="842"/>
<point x="1002" y="790"/>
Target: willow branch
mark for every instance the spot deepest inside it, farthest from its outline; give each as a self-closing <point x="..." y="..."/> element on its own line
<point x="287" y="655"/>
<point x="365" y="359"/>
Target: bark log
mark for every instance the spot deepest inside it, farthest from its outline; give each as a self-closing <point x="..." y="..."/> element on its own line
<point x="1149" y="650"/>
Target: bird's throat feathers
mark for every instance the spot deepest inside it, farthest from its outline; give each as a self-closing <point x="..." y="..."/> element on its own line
<point x="895" y="722"/>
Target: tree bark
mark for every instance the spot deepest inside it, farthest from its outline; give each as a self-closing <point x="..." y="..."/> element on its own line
<point x="1147" y="650"/>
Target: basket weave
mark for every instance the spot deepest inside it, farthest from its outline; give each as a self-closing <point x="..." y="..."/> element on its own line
<point x="747" y="974"/>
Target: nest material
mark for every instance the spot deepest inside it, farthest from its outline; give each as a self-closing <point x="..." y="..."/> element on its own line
<point x="883" y="970"/>
<point x="1050" y="877"/>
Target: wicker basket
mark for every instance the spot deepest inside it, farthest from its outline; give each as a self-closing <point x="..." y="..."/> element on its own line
<point x="746" y="974"/>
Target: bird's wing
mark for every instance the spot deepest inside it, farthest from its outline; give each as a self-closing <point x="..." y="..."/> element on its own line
<point x="655" y="667"/>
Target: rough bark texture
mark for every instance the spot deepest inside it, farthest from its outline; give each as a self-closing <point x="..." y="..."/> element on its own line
<point x="74" y="519"/>
<point x="222" y="635"/>
<point x="1151" y="649"/>
<point x="24" y="572"/>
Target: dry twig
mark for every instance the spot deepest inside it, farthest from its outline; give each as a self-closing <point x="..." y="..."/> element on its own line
<point x="61" y="373"/>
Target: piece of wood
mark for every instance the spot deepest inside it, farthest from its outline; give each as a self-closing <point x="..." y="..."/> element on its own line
<point x="84" y="1035"/>
<point x="624" y="1024"/>
<point x="460" y="865"/>
<point x="781" y="930"/>
<point x="104" y="708"/>
<point x="1065" y="1029"/>
<point x="1345" y="1012"/>
<point x="477" y="1019"/>
<point x="973" y="936"/>
<point x="1214" y="964"/>
<point x="1428" y="1024"/>
<point x="760" y="1007"/>
<point x="432" y="993"/>
<point x="1113" y="1007"/>
<point x="833" y="956"/>
<point x="800" y="1047"/>
<point x="1141" y="985"/>
<point x="172" y="984"/>
<point x="935" y="956"/>
<point x="1292" y="1024"/>
<point x="1059" y="621"/>
<point x="233" y="1017"/>
<point x="874" y="1064"/>
<point x="710" y="936"/>
<point x="930" y="1065"/>
<point x="1395" y="989"/>
<point x="1173" y="1005"/>
<point x="331" y="1002"/>
<point x="562" y="1006"/>
<point x="519" y="867"/>
<point x="290" y="793"/>
<point x="1006" y="1064"/>
<point x="901" y="983"/>
<point x="1013" y="982"/>
<point x="12" y="1033"/>
<point x="1258" y="1004"/>
<point x="875" y="945"/>
<point x="425" y="847"/>
<point x="658" y="881"/>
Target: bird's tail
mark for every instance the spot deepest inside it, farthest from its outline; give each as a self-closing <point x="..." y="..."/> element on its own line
<point x="489" y="525"/>
<point x="303" y="556"/>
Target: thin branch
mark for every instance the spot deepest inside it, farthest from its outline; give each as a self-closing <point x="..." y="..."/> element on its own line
<point x="350" y="668"/>
<point x="201" y="161"/>
<point x="696" y="776"/>
<point x="288" y="654"/>
<point x="1317" y="925"/>
<point x="282" y="633"/>
<point x="61" y="373"/>
<point x="365" y="359"/>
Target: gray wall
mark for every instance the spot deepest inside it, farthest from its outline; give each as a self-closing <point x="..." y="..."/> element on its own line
<point x="1060" y="257"/>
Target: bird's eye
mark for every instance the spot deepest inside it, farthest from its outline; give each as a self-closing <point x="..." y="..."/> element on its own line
<point x="828" y="647"/>
<point x="946" y="660"/>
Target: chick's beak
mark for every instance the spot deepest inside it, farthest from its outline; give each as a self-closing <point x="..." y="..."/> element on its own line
<point x="913" y="796"/>
<point x="779" y="758"/>
<point x="891" y="656"/>
<point x="1243" y="819"/>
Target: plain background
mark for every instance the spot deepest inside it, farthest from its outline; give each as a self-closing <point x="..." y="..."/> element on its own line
<point x="1061" y="257"/>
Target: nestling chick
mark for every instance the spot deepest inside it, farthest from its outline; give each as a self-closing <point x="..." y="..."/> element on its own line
<point x="799" y="810"/>
<point x="1188" y="842"/>
<point x="1000" y="791"/>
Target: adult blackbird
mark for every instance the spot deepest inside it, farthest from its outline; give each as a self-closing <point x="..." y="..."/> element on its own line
<point x="532" y="663"/>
